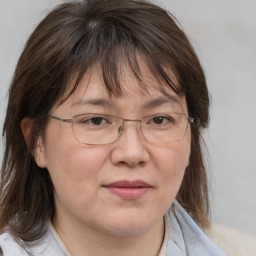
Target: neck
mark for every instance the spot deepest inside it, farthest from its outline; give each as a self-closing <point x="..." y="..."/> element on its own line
<point x="81" y="240"/>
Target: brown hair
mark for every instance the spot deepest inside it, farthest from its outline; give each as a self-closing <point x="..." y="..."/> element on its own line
<point x="62" y="48"/>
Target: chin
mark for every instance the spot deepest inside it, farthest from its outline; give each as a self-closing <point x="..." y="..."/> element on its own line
<point x="128" y="225"/>
<point x="126" y="230"/>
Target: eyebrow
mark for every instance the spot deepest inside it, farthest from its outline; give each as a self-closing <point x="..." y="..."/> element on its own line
<point x="95" y="102"/>
<point x="160" y="101"/>
<point x="152" y="103"/>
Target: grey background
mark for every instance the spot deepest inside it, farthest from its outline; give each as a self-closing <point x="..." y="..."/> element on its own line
<point x="223" y="33"/>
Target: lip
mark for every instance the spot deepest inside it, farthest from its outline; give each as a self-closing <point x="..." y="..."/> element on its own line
<point x="129" y="190"/>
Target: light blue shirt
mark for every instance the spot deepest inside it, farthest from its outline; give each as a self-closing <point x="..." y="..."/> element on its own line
<point x="182" y="238"/>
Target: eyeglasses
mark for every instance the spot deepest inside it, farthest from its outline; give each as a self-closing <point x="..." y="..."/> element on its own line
<point x="98" y="129"/>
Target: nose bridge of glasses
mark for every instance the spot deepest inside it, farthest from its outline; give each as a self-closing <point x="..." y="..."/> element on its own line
<point x="121" y="128"/>
<point x="131" y="120"/>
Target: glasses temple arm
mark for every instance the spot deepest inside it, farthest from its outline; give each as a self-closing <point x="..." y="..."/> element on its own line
<point x="60" y="119"/>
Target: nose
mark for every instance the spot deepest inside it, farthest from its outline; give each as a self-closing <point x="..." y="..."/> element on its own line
<point x="130" y="149"/>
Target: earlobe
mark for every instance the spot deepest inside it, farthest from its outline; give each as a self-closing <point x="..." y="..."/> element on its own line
<point x="38" y="151"/>
<point x="39" y="154"/>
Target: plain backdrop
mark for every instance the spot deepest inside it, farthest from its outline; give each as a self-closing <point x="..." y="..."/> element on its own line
<point x="223" y="32"/>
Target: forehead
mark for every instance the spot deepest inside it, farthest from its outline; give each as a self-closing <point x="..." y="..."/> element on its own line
<point x="146" y="90"/>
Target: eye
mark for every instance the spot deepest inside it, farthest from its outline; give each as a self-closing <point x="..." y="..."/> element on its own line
<point x="159" y="120"/>
<point x="95" y="120"/>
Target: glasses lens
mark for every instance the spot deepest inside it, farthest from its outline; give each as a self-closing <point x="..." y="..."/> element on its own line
<point x="96" y="129"/>
<point x="164" y="128"/>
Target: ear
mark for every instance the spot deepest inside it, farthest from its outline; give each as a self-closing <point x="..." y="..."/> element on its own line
<point x="38" y="151"/>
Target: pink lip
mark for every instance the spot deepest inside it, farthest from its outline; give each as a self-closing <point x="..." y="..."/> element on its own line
<point x="130" y="190"/>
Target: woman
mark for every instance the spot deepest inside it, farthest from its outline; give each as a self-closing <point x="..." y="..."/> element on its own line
<point x="103" y="130"/>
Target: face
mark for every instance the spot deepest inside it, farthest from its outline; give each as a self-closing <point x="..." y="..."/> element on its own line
<point x="91" y="181"/>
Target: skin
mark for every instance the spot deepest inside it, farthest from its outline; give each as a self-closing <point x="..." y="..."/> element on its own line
<point x="89" y="219"/>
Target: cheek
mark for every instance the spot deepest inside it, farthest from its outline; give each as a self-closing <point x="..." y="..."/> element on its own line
<point x="76" y="163"/>
<point x="170" y="162"/>
<point x="71" y="164"/>
<point x="76" y="176"/>
<point x="173" y="160"/>
<point x="171" y="165"/>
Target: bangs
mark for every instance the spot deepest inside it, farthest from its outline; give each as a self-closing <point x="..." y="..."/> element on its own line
<point x="111" y="44"/>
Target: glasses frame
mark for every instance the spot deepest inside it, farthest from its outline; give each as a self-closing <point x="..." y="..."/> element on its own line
<point x="190" y="120"/>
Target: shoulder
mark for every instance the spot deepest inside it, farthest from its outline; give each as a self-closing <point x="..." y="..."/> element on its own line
<point x="9" y="246"/>
<point x="46" y="246"/>
<point x="231" y="241"/>
<point x="186" y="237"/>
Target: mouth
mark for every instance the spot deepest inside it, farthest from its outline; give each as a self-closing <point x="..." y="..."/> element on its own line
<point x="129" y="190"/>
